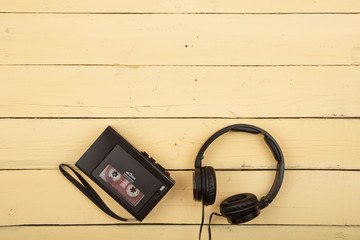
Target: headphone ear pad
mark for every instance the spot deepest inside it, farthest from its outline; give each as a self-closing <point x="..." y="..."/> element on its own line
<point x="210" y="179"/>
<point x="240" y="208"/>
<point x="197" y="189"/>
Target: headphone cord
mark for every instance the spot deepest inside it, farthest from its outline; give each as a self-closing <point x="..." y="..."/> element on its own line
<point x="211" y="215"/>
<point x="202" y="220"/>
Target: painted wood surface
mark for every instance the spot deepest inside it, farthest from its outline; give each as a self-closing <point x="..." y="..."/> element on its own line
<point x="305" y="199"/>
<point x="182" y="6"/>
<point x="166" y="75"/>
<point x="231" y="92"/>
<point x="173" y="39"/>
<point x="179" y="232"/>
<point x="306" y="143"/>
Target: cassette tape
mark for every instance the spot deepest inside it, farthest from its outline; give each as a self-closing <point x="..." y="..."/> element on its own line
<point x="131" y="177"/>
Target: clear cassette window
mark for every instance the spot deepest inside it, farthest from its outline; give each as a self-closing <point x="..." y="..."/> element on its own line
<point x="121" y="184"/>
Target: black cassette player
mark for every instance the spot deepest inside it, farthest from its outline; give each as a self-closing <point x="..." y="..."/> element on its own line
<point x="131" y="177"/>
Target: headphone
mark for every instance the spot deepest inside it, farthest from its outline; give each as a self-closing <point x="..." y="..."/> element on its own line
<point x="242" y="207"/>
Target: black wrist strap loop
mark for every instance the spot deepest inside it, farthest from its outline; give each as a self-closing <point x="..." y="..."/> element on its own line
<point x="88" y="191"/>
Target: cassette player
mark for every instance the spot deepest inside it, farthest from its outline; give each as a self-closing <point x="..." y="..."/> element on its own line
<point x="131" y="177"/>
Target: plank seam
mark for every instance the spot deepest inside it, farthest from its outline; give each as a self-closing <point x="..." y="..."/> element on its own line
<point x="175" y="118"/>
<point x="217" y="169"/>
<point x="170" y="65"/>
<point x="170" y="224"/>
<point x="186" y="13"/>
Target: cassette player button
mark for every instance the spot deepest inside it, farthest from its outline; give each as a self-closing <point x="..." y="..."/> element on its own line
<point x="160" y="191"/>
<point x="152" y="160"/>
<point x="160" y="167"/>
<point x="145" y="154"/>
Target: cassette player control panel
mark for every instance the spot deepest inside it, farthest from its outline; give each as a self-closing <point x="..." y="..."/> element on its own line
<point x="157" y="165"/>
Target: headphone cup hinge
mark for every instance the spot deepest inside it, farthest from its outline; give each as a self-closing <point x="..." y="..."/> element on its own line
<point x="264" y="202"/>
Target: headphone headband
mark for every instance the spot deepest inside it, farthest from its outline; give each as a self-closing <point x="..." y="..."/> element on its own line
<point x="270" y="141"/>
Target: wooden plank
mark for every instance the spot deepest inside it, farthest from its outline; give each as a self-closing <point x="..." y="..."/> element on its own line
<point x="180" y="39"/>
<point x="182" y="6"/>
<point x="52" y="91"/>
<point x="306" y="197"/>
<point x="181" y="232"/>
<point x="306" y="143"/>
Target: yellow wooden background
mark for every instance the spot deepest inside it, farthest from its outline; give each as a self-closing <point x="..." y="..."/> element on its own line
<point x="166" y="75"/>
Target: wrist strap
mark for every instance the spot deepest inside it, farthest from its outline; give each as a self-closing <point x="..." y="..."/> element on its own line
<point x="88" y="191"/>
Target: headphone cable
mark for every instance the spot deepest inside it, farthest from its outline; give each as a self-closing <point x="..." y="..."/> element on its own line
<point x="211" y="215"/>
<point x="202" y="220"/>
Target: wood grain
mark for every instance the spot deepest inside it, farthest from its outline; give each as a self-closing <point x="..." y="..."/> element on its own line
<point x="166" y="75"/>
<point x="78" y="91"/>
<point x="306" y="143"/>
<point x="182" y="6"/>
<point x="306" y="197"/>
<point x="153" y="39"/>
<point x="181" y="232"/>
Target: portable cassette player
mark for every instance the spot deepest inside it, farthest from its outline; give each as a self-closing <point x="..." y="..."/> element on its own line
<point x="131" y="177"/>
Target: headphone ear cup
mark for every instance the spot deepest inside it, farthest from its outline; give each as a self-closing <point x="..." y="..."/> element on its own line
<point x="210" y="179"/>
<point x="240" y="208"/>
<point x="197" y="189"/>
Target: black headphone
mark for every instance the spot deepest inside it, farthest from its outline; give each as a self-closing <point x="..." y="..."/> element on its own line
<point x="242" y="207"/>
